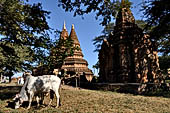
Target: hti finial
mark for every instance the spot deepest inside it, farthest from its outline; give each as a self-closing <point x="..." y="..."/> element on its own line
<point x="72" y="26"/>
<point x="64" y="26"/>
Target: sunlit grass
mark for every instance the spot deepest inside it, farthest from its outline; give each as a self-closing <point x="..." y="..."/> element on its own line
<point x="90" y="101"/>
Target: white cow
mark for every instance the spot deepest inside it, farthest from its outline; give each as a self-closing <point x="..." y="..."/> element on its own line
<point x="35" y="86"/>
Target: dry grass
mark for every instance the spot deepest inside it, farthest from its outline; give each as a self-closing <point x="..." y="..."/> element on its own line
<point x="88" y="101"/>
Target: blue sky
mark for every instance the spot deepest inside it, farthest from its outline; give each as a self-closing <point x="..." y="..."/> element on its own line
<point x="86" y="28"/>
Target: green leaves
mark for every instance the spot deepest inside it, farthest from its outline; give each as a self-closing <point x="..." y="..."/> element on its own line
<point x="157" y="14"/>
<point x="19" y="22"/>
<point x="24" y="38"/>
<point x="164" y="62"/>
<point x="62" y="49"/>
<point x="97" y="41"/>
<point x="104" y="9"/>
<point x="23" y="29"/>
<point x="14" y="57"/>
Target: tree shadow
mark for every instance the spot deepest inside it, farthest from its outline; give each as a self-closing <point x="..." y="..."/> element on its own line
<point x="11" y="104"/>
<point x="8" y="92"/>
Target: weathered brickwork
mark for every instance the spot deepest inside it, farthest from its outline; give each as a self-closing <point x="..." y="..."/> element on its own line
<point x="128" y="55"/>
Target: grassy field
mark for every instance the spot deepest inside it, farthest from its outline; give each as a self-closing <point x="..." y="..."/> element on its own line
<point x="90" y="101"/>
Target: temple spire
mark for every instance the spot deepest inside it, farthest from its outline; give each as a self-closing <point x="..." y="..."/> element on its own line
<point x="64" y="25"/>
<point x="72" y="27"/>
<point x="64" y="33"/>
<point x="75" y="64"/>
<point x="73" y="35"/>
<point x="124" y="15"/>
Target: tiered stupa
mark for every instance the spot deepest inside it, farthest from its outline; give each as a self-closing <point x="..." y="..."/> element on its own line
<point x="75" y="64"/>
<point x="128" y="55"/>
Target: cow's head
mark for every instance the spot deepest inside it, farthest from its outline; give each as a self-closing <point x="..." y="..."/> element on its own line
<point x="17" y="101"/>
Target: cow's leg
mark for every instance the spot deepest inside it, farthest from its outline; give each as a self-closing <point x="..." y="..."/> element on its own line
<point x="50" y="102"/>
<point x="30" y="97"/>
<point x="51" y="97"/>
<point x="38" y="100"/>
<point x="58" y="98"/>
<point x="43" y="97"/>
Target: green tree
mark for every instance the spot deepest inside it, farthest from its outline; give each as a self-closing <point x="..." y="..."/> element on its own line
<point x="96" y="66"/>
<point x="104" y="9"/>
<point x="157" y="14"/>
<point x="97" y="41"/>
<point x="20" y="22"/>
<point x="14" y="58"/>
<point x="24" y="38"/>
<point x="62" y="49"/>
<point x="164" y="62"/>
<point x="108" y="29"/>
<point x="141" y="24"/>
<point x="21" y="26"/>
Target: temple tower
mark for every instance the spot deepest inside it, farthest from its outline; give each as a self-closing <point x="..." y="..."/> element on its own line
<point x="128" y="55"/>
<point x="76" y="63"/>
<point x="64" y="33"/>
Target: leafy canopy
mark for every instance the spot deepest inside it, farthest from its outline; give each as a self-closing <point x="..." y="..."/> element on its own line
<point x="24" y="36"/>
<point x="157" y="14"/>
<point x="105" y="10"/>
<point x="20" y="22"/>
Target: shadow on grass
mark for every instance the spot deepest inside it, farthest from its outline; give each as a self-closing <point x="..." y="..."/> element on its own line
<point x="34" y="106"/>
<point x="8" y="92"/>
<point x="10" y="104"/>
<point x="128" y="88"/>
<point x="159" y="93"/>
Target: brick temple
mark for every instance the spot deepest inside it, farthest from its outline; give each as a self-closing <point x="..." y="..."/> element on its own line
<point x="76" y="63"/>
<point x="128" y="55"/>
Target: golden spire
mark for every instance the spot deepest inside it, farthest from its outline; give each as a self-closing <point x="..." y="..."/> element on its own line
<point x="64" y="33"/>
<point x="64" y="26"/>
<point x="74" y="36"/>
<point x="72" y="27"/>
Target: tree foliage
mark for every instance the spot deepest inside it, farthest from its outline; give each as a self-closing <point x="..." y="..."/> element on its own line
<point x="164" y="62"/>
<point x="157" y="14"/>
<point x="97" y="41"/>
<point x="24" y="31"/>
<point x="23" y="27"/>
<point x="108" y="29"/>
<point x="19" y="22"/>
<point x="62" y="49"/>
<point x="105" y="10"/>
<point x="24" y="37"/>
